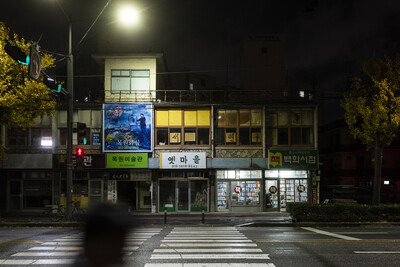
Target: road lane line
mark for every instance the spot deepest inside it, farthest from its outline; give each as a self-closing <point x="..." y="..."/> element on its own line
<point x="377" y="252"/>
<point x="45" y="254"/>
<point x="209" y="265"/>
<point x="329" y="233"/>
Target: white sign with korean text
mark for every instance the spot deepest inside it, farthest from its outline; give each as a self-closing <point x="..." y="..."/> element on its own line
<point x="184" y="160"/>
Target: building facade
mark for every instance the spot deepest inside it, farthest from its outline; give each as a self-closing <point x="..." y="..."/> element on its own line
<point x="151" y="149"/>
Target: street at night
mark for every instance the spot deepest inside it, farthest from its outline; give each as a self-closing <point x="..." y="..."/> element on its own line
<point x="214" y="246"/>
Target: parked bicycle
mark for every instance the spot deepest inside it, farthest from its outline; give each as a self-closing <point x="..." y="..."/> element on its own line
<point x="58" y="213"/>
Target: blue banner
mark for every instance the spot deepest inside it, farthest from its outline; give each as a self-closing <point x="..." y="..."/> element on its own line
<point x="127" y="127"/>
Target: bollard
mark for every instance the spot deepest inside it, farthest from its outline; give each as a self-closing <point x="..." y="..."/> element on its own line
<point x="202" y="216"/>
<point x="165" y="215"/>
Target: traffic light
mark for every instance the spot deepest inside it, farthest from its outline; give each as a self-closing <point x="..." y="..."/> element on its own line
<point x="52" y="84"/>
<point x="79" y="154"/>
<point x="81" y="133"/>
<point x="34" y="62"/>
<point x="16" y="53"/>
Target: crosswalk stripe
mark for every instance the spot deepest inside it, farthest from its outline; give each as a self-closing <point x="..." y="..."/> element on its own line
<point x="206" y="241"/>
<point x="209" y="265"/>
<point x="205" y="237"/>
<point x="206" y="250"/>
<point x="209" y="245"/>
<point x="45" y="254"/>
<point x="209" y="256"/>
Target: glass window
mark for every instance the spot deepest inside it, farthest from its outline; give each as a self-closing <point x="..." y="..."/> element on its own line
<point x="231" y="117"/>
<point x="162" y="136"/>
<point x="295" y="136"/>
<point x="230" y="132"/>
<point x="129" y="81"/>
<point x="283" y="136"/>
<point x="221" y="117"/>
<point x="204" y="136"/>
<point x="63" y="136"/>
<point x="238" y="193"/>
<point x="198" y="195"/>
<point x="283" y="118"/>
<point x="17" y="137"/>
<point x="167" y="195"/>
<point x="244" y="136"/>
<point x="175" y="136"/>
<point x="306" y="136"/>
<point x="244" y="117"/>
<point x="190" y="136"/>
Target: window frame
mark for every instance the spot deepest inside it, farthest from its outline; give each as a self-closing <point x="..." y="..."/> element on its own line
<point x="290" y="126"/>
<point x="239" y="127"/>
<point x="130" y="77"/>
<point x="181" y="129"/>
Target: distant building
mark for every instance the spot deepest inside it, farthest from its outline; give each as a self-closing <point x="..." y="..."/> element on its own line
<point x="347" y="169"/>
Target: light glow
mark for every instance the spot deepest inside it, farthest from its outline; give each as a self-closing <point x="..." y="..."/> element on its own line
<point x="129" y="16"/>
<point x="46" y="141"/>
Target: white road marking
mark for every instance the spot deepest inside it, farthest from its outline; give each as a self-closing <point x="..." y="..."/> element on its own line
<point x="205" y="237"/>
<point x="377" y="252"/>
<point x="57" y="248"/>
<point x="329" y="233"/>
<point x="208" y="245"/>
<point x="206" y="241"/>
<point x="37" y="262"/>
<point x="45" y="254"/>
<point x="206" y="250"/>
<point x="209" y="256"/>
<point x="209" y="265"/>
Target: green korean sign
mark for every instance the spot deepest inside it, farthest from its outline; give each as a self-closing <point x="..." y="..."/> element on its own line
<point x="127" y="160"/>
<point x="293" y="159"/>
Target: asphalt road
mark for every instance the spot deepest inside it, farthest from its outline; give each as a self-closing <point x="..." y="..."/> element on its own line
<point x="211" y="245"/>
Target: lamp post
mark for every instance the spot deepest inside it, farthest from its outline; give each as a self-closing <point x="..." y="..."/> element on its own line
<point x="130" y="16"/>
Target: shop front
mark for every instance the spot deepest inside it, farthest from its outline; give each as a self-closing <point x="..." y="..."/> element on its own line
<point x="239" y="190"/>
<point x="129" y="181"/>
<point x="289" y="178"/>
<point x="183" y="183"/>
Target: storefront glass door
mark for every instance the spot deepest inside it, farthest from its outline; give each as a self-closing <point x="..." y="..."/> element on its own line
<point x="223" y="196"/>
<point x="271" y="194"/>
<point x="183" y="195"/>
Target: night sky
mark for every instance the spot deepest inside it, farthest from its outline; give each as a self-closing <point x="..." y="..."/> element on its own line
<point x="325" y="40"/>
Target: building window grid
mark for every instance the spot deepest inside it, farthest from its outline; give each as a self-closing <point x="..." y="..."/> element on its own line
<point x="289" y="131"/>
<point x="129" y="81"/>
<point x="245" y="131"/>
<point x="182" y="133"/>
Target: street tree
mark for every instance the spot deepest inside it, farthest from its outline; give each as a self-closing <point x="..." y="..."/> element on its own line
<point x="22" y="99"/>
<point x="372" y="109"/>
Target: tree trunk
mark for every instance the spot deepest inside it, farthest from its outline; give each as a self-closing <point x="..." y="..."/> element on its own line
<point x="376" y="195"/>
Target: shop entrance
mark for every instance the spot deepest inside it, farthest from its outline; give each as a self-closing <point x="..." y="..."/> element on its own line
<point x="126" y="194"/>
<point x="271" y="195"/>
<point x="183" y="195"/>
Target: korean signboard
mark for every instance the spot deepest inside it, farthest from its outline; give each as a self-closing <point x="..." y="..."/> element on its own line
<point x="127" y="160"/>
<point x="293" y="159"/>
<point x="127" y="128"/>
<point x="89" y="161"/>
<point x="190" y="160"/>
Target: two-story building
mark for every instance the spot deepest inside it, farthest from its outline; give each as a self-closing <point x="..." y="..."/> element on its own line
<point x="182" y="150"/>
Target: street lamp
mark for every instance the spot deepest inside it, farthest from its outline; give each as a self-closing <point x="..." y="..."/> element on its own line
<point x="127" y="15"/>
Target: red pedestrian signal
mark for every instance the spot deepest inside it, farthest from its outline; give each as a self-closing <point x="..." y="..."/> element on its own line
<point x="79" y="152"/>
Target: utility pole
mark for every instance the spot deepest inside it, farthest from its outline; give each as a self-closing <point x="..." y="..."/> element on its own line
<point x="70" y="115"/>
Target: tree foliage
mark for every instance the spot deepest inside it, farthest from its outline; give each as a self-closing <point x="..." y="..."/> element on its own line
<point x="21" y="98"/>
<point x="372" y="106"/>
<point x="372" y="109"/>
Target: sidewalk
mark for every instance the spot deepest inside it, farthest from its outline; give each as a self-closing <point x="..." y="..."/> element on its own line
<point x="192" y="219"/>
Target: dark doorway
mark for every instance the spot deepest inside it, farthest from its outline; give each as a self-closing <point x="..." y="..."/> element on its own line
<point x="126" y="194"/>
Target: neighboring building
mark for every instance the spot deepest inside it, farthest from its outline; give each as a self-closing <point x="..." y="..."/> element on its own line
<point x="263" y="65"/>
<point x="150" y="152"/>
<point x="347" y="168"/>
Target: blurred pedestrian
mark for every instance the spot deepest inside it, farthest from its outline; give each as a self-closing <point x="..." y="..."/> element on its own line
<point x="105" y="232"/>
